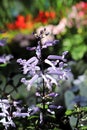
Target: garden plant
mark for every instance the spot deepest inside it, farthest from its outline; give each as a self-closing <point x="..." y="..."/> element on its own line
<point x="43" y="75"/>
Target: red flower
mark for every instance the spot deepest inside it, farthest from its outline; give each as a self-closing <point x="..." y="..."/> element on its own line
<point x="20" y="22"/>
<point x="20" y="18"/>
<point x="82" y="6"/>
<point x="44" y="17"/>
<point x="52" y="14"/>
<point x="11" y="26"/>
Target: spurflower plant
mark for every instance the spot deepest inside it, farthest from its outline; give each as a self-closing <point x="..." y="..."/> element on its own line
<point x="45" y="80"/>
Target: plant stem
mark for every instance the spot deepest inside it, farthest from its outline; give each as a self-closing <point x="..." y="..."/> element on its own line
<point x="78" y="118"/>
<point x="43" y="90"/>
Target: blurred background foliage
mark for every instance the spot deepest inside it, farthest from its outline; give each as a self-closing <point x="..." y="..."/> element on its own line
<point x="10" y="9"/>
<point x="68" y="18"/>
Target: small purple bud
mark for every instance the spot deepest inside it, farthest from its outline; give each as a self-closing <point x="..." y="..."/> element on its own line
<point x="31" y="60"/>
<point x="53" y="94"/>
<point x="23" y="80"/>
<point x="18" y="114"/>
<point x="61" y="64"/>
<point x="31" y="48"/>
<point x="65" y="53"/>
<point x="54" y="107"/>
<point x="33" y="110"/>
<point x="37" y="94"/>
<point x="55" y="57"/>
<point x="55" y="42"/>
<point x="19" y="60"/>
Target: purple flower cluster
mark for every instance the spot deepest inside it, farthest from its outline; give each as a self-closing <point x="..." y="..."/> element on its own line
<point x="58" y="66"/>
<point x="7" y="114"/>
<point x="31" y="68"/>
<point x="52" y="75"/>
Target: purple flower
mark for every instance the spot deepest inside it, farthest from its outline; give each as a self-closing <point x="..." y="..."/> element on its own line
<point x="19" y="114"/>
<point x="49" y="43"/>
<point x="57" y="68"/>
<point x="29" y="66"/>
<point x="31" y="48"/>
<point x="30" y="82"/>
<point x="38" y="51"/>
<point x="33" y="67"/>
<point x="6" y="118"/>
<point x="52" y="75"/>
<point x="49" y="81"/>
<point x="44" y="40"/>
<point x="53" y="94"/>
<point x="55" y="107"/>
<point x="7" y="123"/>
<point x="33" y="110"/>
<point x="55" y="57"/>
<point x="5" y="58"/>
<point x="3" y="42"/>
<point x="38" y="94"/>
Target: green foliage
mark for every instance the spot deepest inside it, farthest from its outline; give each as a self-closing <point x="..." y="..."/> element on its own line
<point x="83" y="128"/>
<point x="76" y="103"/>
<point x="75" y="44"/>
<point x="3" y="65"/>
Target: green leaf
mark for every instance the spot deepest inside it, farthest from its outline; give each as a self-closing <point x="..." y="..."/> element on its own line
<point x="77" y="39"/>
<point x="77" y="52"/>
<point x="83" y="128"/>
<point x="33" y="117"/>
<point x="3" y="65"/>
<point x="69" y="112"/>
<point x="67" y="44"/>
<point x="84" y="109"/>
<point x="30" y="128"/>
<point x="41" y="106"/>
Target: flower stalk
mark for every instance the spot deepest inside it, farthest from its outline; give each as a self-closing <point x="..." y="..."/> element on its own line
<point x="45" y="78"/>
